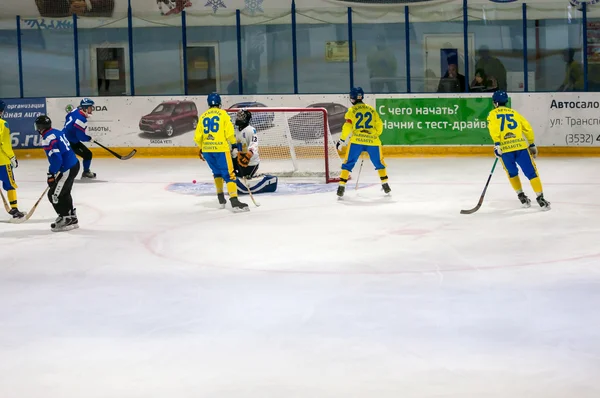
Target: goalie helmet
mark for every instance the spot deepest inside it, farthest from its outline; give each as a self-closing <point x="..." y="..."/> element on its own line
<point x="242" y="118"/>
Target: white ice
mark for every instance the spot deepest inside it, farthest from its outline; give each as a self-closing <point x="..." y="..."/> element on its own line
<point x="160" y="294"/>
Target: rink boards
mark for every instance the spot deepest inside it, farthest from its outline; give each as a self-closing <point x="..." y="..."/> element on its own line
<point x="414" y="125"/>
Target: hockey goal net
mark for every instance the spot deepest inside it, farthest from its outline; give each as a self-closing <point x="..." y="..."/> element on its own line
<point x="294" y="142"/>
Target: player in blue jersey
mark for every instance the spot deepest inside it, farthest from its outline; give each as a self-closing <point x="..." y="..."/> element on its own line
<point x="76" y="132"/>
<point x="63" y="169"/>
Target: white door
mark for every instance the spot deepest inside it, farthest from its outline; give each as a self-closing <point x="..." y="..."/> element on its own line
<point x="204" y="75"/>
<point x="109" y="67"/>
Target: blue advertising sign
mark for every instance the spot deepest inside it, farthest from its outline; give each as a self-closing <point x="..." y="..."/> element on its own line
<point x="20" y="115"/>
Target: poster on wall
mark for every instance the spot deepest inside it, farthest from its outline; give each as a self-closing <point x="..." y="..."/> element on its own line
<point x="593" y="39"/>
<point x="20" y="114"/>
<point x="339" y="51"/>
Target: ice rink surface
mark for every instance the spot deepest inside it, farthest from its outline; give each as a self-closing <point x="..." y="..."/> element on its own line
<point x="162" y="294"/>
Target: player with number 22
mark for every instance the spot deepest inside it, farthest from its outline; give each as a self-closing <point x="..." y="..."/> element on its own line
<point x="363" y="127"/>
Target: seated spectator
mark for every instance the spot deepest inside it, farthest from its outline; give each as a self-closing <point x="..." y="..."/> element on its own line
<point x="452" y="81"/>
<point x="492" y="66"/>
<point x="481" y="83"/>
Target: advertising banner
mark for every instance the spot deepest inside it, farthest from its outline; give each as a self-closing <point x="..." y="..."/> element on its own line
<point x="562" y="119"/>
<point x="20" y="115"/>
<point x="558" y="119"/>
<point x="171" y="121"/>
<point x="435" y="121"/>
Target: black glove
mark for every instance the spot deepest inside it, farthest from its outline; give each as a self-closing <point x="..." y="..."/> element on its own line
<point x="51" y="178"/>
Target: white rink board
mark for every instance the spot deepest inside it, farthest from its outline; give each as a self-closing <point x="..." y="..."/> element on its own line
<point x="572" y="121"/>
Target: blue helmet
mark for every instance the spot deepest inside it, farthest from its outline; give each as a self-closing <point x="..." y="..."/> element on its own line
<point x="2" y="106"/>
<point x="357" y="94"/>
<point x="500" y="97"/>
<point x="86" y="102"/>
<point x="214" y="99"/>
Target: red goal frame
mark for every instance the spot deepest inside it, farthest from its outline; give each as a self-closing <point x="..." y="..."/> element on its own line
<point x="326" y="135"/>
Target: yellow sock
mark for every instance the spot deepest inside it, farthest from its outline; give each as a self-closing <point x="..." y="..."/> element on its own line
<point x="219" y="184"/>
<point x="536" y="184"/>
<point x="516" y="183"/>
<point x="383" y="175"/>
<point x="344" y="175"/>
<point x="232" y="189"/>
<point x="12" y="198"/>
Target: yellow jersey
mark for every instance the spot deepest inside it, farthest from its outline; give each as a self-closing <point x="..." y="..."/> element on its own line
<point x="215" y="131"/>
<point x="365" y="125"/>
<point x="509" y="129"/>
<point x="6" y="150"/>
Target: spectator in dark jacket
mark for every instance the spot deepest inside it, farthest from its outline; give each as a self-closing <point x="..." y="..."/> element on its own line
<point x="452" y="81"/>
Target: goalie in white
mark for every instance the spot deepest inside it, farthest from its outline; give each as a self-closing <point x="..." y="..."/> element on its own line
<point x="246" y="158"/>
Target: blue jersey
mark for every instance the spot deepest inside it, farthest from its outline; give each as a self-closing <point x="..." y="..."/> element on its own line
<point x="59" y="152"/>
<point x="76" y="127"/>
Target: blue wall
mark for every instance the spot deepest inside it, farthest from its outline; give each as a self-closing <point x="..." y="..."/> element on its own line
<point x="267" y="60"/>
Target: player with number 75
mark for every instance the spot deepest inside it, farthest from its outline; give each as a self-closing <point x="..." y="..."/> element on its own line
<point x="514" y="145"/>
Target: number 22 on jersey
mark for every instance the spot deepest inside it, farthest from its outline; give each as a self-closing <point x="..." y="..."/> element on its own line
<point x="367" y="117"/>
<point x="512" y="123"/>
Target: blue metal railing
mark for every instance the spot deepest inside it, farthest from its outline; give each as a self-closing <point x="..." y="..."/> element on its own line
<point x="294" y="26"/>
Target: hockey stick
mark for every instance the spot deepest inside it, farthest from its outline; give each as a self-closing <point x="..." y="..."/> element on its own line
<point x="6" y="206"/>
<point x="473" y="210"/>
<point x="126" y="157"/>
<point x="30" y="213"/>
<point x="359" y="170"/>
<point x="28" y="216"/>
<point x="250" y="193"/>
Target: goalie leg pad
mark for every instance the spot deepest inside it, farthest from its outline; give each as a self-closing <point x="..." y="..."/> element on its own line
<point x="263" y="184"/>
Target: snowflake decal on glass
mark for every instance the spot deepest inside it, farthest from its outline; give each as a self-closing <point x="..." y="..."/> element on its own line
<point x="215" y="4"/>
<point x="254" y="6"/>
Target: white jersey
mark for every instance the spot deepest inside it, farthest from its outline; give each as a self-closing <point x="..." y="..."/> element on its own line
<point x="249" y="140"/>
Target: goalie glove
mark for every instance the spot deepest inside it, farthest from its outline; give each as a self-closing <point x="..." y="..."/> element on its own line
<point x="244" y="158"/>
<point x="533" y="150"/>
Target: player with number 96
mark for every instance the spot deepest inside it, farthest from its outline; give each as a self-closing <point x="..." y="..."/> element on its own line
<point x="514" y="145"/>
<point x="214" y="136"/>
<point x="363" y="127"/>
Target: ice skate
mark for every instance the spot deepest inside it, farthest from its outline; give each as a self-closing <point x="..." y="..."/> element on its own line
<point x="16" y="214"/>
<point x="222" y="200"/>
<point x="386" y="188"/>
<point x="525" y="201"/>
<point x="88" y="174"/>
<point x="544" y="204"/>
<point x="66" y="223"/>
<point x="238" y="206"/>
<point x="340" y="191"/>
